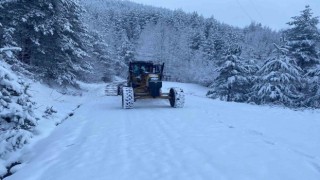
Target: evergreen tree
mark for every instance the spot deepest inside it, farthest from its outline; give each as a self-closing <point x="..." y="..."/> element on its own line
<point x="278" y="81"/>
<point x="106" y="67"/>
<point x="313" y="93"/>
<point x="186" y="42"/>
<point x="214" y="45"/>
<point x="232" y="81"/>
<point x="302" y="39"/>
<point x="51" y="35"/>
<point x="258" y="41"/>
<point x="197" y="37"/>
<point x="6" y="31"/>
<point x="127" y="52"/>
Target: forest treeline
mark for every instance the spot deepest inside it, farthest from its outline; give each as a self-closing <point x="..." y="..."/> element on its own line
<point x="64" y="41"/>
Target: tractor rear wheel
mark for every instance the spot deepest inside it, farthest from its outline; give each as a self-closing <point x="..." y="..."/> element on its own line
<point x="176" y="97"/>
<point x="127" y="97"/>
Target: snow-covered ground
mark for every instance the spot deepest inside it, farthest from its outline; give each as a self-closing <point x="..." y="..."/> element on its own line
<point x="207" y="139"/>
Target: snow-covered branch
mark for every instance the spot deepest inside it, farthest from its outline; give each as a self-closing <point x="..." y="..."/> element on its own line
<point x="10" y="49"/>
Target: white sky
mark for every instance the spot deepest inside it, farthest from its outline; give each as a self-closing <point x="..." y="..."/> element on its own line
<point x="272" y="13"/>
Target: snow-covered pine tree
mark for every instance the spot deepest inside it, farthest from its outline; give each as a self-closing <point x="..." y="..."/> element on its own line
<point x="214" y="45"/>
<point x="126" y="52"/>
<point x="6" y="34"/>
<point x="232" y="82"/>
<point x="278" y="81"/>
<point x="7" y="41"/>
<point x="302" y="39"/>
<point x="197" y="37"/>
<point x="51" y="35"/>
<point x="106" y="67"/>
<point x="6" y="31"/>
<point x="184" y="41"/>
<point x="313" y="93"/>
<point x="258" y="41"/>
<point x="17" y="120"/>
<point x="252" y="67"/>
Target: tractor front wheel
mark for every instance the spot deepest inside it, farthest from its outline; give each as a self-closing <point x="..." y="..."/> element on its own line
<point x="127" y="97"/>
<point x="176" y="97"/>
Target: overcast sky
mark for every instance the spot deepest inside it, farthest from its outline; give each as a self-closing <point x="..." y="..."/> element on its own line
<point x="272" y="13"/>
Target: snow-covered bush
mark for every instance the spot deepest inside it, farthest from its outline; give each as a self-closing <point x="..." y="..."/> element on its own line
<point x="49" y="112"/>
<point x="17" y="120"/>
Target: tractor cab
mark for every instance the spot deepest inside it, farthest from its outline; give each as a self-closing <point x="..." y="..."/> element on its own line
<point x="141" y="73"/>
<point x="138" y="68"/>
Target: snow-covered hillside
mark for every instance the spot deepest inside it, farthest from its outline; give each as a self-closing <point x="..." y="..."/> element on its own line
<point x="29" y="111"/>
<point x="207" y="139"/>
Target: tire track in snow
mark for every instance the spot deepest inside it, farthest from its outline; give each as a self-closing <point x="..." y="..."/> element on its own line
<point x="145" y="151"/>
<point x="189" y="152"/>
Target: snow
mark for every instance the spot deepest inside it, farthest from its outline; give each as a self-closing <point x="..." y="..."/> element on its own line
<point x="3" y="169"/>
<point x="207" y="139"/>
<point x="44" y="96"/>
<point x="8" y="50"/>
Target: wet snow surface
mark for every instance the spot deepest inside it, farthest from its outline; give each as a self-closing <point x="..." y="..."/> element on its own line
<point x="207" y="139"/>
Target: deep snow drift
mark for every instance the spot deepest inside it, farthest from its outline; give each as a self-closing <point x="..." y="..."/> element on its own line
<point x="207" y="139"/>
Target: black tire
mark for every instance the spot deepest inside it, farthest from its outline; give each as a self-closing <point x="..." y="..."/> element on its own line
<point x="176" y="97"/>
<point x="127" y="97"/>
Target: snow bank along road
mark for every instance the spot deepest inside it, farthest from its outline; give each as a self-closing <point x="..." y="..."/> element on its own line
<point x="207" y="139"/>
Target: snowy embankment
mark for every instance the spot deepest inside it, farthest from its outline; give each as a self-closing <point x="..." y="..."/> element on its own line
<point x="52" y="108"/>
<point x="207" y="139"/>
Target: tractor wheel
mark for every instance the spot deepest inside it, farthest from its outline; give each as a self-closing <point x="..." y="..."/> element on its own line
<point x="176" y="97"/>
<point x="127" y="98"/>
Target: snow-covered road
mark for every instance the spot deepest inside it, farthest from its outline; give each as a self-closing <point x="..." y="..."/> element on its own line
<point x="207" y="139"/>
